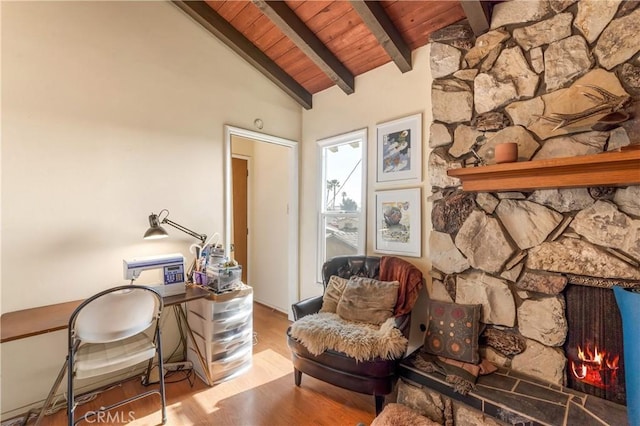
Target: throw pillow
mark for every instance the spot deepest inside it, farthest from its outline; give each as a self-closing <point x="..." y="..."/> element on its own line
<point x="368" y="300"/>
<point x="453" y="331"/>
<point x="333" y="293"/>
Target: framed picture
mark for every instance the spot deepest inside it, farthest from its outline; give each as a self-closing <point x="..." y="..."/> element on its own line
<point x="400" y="150"/>
<point x="398" y="222"/>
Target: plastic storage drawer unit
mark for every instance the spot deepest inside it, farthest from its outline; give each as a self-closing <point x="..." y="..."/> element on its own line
<point x="216" y="329"/>
<point x="224" y="304"/>
<point x="224" y="369"/>
<point x="222" y="327"/>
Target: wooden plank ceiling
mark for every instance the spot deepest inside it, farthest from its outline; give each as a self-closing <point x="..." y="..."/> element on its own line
<point x="308" y="46"/>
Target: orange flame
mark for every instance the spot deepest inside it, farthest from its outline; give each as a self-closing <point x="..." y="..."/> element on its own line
<point x="597" y="367"/>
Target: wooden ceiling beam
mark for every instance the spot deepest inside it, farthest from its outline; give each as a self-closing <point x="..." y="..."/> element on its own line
<point x="294" y="28"/>
<point x="478" y="15"/>
<point x="375" y="18"/>
<point x="225" y="32"/>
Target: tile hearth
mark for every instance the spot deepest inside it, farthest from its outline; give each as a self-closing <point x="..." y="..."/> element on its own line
<point x="518" y="399"/>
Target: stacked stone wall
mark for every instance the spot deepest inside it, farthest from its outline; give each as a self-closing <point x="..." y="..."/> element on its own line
<point x="560" y="78"/>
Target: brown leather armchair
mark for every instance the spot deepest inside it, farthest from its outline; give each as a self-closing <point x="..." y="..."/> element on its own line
<point x="375" y="377"/>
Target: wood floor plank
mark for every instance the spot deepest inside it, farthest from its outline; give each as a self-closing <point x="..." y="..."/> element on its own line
<point x="265" y="395"/>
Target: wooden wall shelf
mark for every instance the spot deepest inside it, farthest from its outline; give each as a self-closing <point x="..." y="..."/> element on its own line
<point x="605" y="169"/>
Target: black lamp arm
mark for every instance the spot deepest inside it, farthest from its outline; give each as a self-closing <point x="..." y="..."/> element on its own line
<point x="201" y="237"/>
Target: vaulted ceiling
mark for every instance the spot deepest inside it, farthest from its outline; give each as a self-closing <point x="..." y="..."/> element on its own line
<point x="308" y="46"/>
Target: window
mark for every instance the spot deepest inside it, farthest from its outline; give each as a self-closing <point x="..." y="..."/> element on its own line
<point x="343" y="196"/>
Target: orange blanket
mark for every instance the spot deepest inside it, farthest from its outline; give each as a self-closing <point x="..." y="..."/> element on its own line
<point x="410" y="278"/>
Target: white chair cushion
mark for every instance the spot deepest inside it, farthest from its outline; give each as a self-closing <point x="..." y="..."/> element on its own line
<point x="94" y="359"/>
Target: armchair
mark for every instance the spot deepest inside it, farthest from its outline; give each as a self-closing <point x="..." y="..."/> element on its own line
<point x="375" y="376"/>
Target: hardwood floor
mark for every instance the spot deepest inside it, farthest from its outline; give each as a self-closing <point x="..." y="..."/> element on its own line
<point x="265" y="395"/>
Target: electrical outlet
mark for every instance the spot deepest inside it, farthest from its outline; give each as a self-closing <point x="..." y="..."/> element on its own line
<point x="175" y="366"/>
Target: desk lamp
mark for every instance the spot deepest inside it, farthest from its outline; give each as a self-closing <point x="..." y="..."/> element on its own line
<point x="156" y="231"/>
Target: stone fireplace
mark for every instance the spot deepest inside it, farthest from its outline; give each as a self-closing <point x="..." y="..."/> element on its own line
<point x="556" y="78"/>
<point x="521" y="260"/>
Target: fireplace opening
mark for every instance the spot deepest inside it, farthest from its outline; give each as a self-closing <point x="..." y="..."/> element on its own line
<point x="595" y="363"/>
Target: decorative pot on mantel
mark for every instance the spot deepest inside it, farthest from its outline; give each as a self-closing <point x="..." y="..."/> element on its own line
<point x="629" y="302"/>
<point x="506" y="152"/>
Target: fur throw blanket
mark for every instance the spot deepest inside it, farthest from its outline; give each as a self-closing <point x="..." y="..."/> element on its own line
<point x="322" y="331"/>
<point x="401" y="415"/>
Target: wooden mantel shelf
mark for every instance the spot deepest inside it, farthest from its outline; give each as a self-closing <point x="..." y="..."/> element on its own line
<point x="605" y="169"/>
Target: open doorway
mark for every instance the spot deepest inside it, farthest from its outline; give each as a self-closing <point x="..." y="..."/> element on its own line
<point x="261" y="213"/>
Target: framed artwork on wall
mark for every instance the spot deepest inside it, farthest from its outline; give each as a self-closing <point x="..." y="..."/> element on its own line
<point x="399" y="147"/>
<point x="398" y="220"/>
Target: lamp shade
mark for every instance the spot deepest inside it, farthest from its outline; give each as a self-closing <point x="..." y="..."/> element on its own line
<point x="155" y="231"/>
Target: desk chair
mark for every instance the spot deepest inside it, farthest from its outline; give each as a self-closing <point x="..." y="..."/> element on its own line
<point x="107" y="333"/>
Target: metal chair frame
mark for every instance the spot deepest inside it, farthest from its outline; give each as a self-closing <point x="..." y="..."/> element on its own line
<point x="74" y="343"/>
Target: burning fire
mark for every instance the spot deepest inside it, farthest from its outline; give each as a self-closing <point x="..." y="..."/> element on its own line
<point x="597" y="368"/>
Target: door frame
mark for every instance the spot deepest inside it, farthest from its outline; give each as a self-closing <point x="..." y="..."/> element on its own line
<point x="292" y="273"/>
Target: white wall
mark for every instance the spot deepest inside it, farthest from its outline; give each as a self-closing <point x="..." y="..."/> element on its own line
<point x="381" y="95"/>
<point x="110" y="111"/>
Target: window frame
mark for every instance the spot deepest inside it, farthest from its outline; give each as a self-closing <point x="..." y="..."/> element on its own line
<point x="360" y="136"/>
